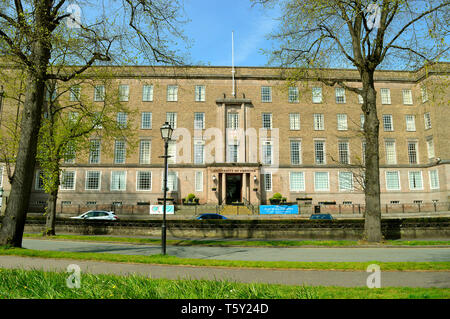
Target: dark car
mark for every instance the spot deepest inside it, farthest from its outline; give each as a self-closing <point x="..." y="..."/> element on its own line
<point x="321" y="216"/>
<point x="210" y="216"/>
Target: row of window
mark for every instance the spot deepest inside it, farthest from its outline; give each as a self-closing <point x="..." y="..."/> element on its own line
<point x="118" y="181"/>
<point x="267" y="121"/>
<point x="266" y="94"/>
<point x="267" y="152"/>
<point x="346" y="181"/>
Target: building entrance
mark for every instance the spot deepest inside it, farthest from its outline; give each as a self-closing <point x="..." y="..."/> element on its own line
<point x="233" y="188"/>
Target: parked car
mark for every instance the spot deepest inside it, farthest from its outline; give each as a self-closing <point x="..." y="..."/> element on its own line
<point x="210" y="216"/>
<point x="321" y="216"/>
<point x="97" y="215"/>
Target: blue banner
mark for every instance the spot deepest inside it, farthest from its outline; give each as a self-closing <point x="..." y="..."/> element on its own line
<point x="278" y="209"/>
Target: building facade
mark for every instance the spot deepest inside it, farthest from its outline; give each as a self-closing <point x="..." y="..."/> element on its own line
<point x="302" y="140"/>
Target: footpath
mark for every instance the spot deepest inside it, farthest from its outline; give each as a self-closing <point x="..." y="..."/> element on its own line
<point x="425" y="279"/>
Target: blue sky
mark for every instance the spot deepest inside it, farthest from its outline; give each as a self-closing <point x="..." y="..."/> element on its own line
<point x="212" y="22"/>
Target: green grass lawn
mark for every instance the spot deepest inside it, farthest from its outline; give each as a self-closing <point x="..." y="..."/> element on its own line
<point x="52" y="285"/>
<point x="248" y="243"/>
<point x="172" y="260"/>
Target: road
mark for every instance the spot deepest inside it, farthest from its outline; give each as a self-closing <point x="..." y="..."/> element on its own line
<point x="411" y="254"/>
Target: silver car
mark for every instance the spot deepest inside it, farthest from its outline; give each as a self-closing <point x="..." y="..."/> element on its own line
<point x="97" y="215"/>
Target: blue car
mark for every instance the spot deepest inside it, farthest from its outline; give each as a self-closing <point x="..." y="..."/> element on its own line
<point x="210" y="216"/>
<point x="321" y="216"/>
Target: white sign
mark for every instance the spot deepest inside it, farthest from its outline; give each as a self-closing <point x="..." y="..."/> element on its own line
<point x="159" y="209"/>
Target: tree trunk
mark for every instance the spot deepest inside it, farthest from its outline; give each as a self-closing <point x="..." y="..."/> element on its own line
<point x="372" y="225"/>
<point x="13" y="224"/>
<point x="14" y="220"/>
<point x="51" y="214"/>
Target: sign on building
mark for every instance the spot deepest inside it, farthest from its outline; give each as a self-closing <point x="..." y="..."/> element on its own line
<point x="159" y="209"/>
<point x="278" y="209"/>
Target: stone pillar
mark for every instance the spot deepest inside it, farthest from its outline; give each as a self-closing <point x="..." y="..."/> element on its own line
<point x="224" y="188"/>
<point x="244" y="186"/>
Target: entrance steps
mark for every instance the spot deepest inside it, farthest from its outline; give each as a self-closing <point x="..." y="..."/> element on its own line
<point x="235" y="210"/>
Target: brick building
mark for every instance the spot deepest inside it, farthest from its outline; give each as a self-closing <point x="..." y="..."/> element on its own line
<point x="301" y="140"/>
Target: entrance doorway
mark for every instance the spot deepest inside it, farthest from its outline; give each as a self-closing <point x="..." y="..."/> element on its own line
<point x="234" y="188"/>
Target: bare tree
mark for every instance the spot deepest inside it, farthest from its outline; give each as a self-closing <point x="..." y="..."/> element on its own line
<point x="34" y="33"/>
<point x="365" y="35"/>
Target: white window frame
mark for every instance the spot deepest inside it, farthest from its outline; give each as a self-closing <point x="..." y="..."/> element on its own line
<point x="171" y="118"/>
<point x="293" y="94"/>
<point x="432" y="184"/>
<point x="424" y="92"/>
<point x="200" y="93"/>
<point x="99" y="93"/>
<point x="75" y="93"/>
<point x="267" y="152"/>
<point x="430" y="148"/>
<point x="421" y="181"/>
<point x="172" y="152"/>
<point x="199" y="120"/>
<point x="62" y="186"/>
<point x="319" y="122"/>
<point x="388" y="123"/>
<point x="124" y="92"/>
<point x="198" y="177"/>
<point x="267" y="181"/>
<point x="120" y="154"/>
<point x="174" y="185"/>
<point x="99" y="181"/>
<point x="233" y="149"/>
<point x="317" y="95"/>
<point x="301" y="186"/>
<point x="97" y="150"/>
<point x="232" y="120"/>
<point x="37" y="179"/>
<point x="340" y="95"/>
<point x="342" y="124"/>
<point x="341" y="180"/>
<point x="344" y="151"/>
<point x="124" y="173"/>
<point x="327" y="189"/>
<point x="294" y="121"/>
<point x="410" y="120"/>
<point x="410" y="151"/>
<point x="147" y="93"/>
<point x="138" y="173"/>
<point x="407" y="97"/>
<point x="398" y="181"/>
<point x="172" y="93"/>
<point x="394" y="152"/>
<point x="427" y="119"/>
<point x="122" y="119"/>
<point x="385" y="96"/>
<point x="146" y="118"/>
<point x="145" y="154"/>
<point x="324" y="161"/>
<point x="266" y="94"/>
<point x="266" y="119"/>
<point x="199" y="143"/>
<point x="299" y="150"/>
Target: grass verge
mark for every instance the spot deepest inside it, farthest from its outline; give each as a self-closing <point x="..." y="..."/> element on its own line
<point x="172" y="260"/>
<point x="247" y="243"/>
<point x="38" y="284"/>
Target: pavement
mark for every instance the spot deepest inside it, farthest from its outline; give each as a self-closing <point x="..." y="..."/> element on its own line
<point x="426" y="279"/>
<point x="271" y="276"/>
<point x="322" y="254"/>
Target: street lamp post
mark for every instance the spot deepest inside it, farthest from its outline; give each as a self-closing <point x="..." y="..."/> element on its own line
<point x="1" y="103"/>
<point x="166" y="134"/>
